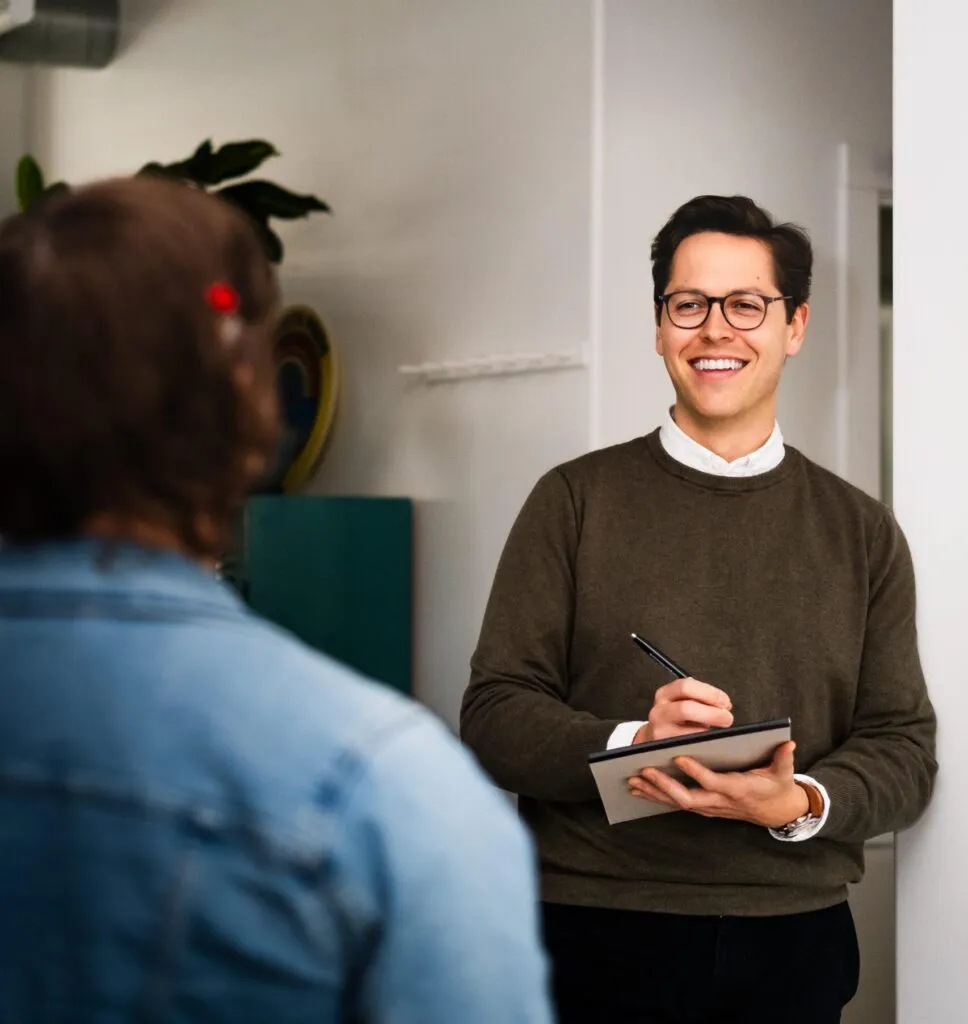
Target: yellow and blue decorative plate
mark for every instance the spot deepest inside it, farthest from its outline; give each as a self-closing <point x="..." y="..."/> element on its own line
<point x="307" y="377"/>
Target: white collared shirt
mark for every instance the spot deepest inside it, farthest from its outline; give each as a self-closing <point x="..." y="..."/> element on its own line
<point x="681" y="447"/>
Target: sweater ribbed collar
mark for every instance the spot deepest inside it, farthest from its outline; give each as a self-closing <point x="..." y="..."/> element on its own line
<point x="717" y="482"/>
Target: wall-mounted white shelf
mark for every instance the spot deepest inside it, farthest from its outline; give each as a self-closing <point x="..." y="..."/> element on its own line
<point x="493" y="366"/>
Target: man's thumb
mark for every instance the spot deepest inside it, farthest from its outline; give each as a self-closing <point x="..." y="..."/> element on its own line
<point x="784" y="757"/>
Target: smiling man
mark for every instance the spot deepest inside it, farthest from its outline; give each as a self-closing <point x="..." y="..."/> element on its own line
<point x="786" y="591"/>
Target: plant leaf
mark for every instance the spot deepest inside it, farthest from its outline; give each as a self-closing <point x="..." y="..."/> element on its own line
<point x="236" y="159"/>
<point x="196" y="169"/>
<point x="209" y="167"/>
<point x="272" y="242"/>
<point x="30" y="182"/>
<point x="155" y="169"/>
<point x="263" y="199"/>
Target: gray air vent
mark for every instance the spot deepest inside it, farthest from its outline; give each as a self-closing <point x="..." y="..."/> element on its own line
<point x="67" y="33"/>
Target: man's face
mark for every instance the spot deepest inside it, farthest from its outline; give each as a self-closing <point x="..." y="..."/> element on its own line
<point x="723" y="373"/>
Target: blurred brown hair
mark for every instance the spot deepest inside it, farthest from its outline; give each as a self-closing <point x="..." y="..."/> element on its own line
<point x="119" y="394"/>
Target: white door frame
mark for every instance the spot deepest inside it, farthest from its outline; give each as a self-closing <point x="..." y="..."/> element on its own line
<point x="863" y="185"/>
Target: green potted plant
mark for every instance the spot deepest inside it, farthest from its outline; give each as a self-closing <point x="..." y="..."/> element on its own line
<point x="219" y="171"/>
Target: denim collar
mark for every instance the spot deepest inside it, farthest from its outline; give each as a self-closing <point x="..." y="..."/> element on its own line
<point x="91" y="568"/>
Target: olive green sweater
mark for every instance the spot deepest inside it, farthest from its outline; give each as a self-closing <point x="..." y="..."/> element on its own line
<point x="792" y="591"/>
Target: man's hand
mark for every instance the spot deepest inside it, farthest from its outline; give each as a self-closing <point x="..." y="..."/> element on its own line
<point x="685" y="706"/>
<point x="765" y="796"/>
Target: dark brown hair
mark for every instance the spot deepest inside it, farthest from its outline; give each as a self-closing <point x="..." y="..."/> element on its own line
<point x="121" y="393"/>
<point x="737" y="215"/>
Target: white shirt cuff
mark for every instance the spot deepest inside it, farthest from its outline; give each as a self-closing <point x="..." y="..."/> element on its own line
<point x="623" y="735"/>
<point x="810" y="828"/>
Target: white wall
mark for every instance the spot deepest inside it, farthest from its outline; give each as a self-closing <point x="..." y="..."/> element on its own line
<point x="452" y="140"/>
<point x="769" y="91"/>
<point x="930" y="485"/>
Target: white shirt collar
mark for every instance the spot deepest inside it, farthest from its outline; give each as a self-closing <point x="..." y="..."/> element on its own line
<point x="681" y="447"/>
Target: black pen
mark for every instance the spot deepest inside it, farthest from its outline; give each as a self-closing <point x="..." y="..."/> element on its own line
<point x="656" y="655"/>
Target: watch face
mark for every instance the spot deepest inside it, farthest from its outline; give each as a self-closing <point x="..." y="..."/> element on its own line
<point x="795" y="826"/>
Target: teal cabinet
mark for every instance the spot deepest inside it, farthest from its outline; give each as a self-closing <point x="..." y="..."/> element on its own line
<point x="336" y="572"/>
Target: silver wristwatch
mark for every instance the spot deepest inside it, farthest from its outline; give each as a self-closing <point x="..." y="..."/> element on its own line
<point x="790" y="830"/>
<point x="814" y="811"/>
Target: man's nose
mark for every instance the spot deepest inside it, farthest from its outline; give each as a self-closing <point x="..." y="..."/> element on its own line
<point x="716" y="326"/>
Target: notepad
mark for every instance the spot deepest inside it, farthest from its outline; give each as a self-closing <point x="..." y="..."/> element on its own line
<point x="739" y="748"/>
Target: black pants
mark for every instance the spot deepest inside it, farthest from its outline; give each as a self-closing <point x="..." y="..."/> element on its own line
<point x="626" y="967"/>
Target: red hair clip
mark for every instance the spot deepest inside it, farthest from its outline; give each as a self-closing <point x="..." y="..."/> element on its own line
<point x="223" y="298"/>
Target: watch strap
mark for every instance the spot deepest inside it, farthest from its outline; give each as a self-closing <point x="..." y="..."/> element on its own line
<point x="814" y="799"/>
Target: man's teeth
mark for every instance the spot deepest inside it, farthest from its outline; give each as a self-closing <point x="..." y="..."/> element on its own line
<point x="718" y="364"/>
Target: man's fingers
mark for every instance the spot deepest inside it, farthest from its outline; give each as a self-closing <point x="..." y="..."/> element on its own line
<point x="667" y="786"/>
<point x="713" y="782"/>
<point x="696" y="713"/>
<point x="645" y="790"/>
<point x="683" y="797"/>
<point x="693" y="689"/>
<point x="690" y="712"/>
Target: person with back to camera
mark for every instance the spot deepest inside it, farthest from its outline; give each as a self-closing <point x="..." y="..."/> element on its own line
<point x="200" y="818"/>
<point x="787" y="592"/>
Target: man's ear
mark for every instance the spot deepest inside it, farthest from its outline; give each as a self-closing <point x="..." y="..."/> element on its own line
<point x="658" y="332"/>
<point x="798" y="329"/>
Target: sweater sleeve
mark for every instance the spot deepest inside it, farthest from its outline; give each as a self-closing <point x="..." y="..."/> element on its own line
<point x="880" y="779"/>
<point x="515" y="715"/>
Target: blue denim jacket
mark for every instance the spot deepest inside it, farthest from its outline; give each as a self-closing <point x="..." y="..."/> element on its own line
<point x="203" y="820"/>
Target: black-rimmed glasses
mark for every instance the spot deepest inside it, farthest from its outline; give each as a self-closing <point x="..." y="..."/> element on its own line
<point x="743" y="310"/>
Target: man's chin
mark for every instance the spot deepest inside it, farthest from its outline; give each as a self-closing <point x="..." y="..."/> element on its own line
<point x="713" y="413"/>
